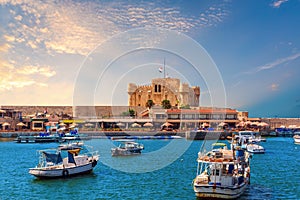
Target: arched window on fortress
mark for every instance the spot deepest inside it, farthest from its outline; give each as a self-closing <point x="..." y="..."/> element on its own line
<point x="157" y="88"/>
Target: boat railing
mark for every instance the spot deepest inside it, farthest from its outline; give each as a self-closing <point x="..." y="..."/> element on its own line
<point x="91" y="154"/>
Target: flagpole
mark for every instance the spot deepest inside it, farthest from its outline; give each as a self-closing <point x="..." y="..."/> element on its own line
<point x="164" y="67"/>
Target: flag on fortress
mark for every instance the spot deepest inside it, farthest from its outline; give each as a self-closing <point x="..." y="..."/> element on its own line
<point x="160" y="69"/>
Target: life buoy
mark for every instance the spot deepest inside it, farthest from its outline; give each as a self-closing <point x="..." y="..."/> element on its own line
<point x="65" y="173"/>
<point x="94" y="163"/>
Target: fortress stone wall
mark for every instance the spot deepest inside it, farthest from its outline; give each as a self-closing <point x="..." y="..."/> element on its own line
<point x="30" y="110"/>
<point x="78" y="111"/>
<point x="163" y="88"/>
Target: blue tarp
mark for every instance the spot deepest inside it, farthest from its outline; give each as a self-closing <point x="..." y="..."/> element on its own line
<point x="71" y="158"/>
<point x="53" y="157"/>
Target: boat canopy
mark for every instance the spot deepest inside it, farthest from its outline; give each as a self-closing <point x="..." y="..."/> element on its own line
<point x="219" y="144"/>
<point x="74" y="151"/>
<point x="53" y="157"/>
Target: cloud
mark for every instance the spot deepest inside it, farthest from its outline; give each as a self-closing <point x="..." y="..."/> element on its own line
<point x="12" y="77"/>
<point x="34" y="70"/>
<point x="18" y="18"/>
<point x="9" y="38"/>
<point x="277" y="4"/>
<point x="35" y="30"/>
<point x="5" y="47"/>
<point x="76" y="28"/>
<point x="274" y="87"/>
<point x="277" y="62"/>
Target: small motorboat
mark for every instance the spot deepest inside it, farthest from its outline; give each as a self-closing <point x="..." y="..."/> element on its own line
<point x="127" y="148"/>
<point x="255" y="148"/>
<point x="71" y="145"/>
<point x="53" y="164"/>
<point x="297" y="137"/>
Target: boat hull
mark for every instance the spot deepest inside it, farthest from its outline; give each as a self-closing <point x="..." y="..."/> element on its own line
<point x="124" y="152"/>
<point x="59" y="171"/>
<point x="255" y="149"/>
<point x="210" y="191"/>
<point x="297" y="140"/>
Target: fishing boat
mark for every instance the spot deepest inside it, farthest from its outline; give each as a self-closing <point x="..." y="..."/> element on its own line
<point x="127" y="148"/>
<point x="222" y="173"/>
<point x="297" y="137"/>
<point x="53" y="164"/>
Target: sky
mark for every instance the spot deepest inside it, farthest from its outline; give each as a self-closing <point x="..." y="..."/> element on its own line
<point x="243" y="54"/>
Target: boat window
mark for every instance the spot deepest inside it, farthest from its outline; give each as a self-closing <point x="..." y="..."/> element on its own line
<point x="217" y="172"/>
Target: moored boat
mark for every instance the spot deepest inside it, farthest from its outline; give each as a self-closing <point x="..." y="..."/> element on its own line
<point x="40" y="138"/>
<point x="71" y="145"/>
<point x="297" y="137"/>
<point x="74" y="135"/>
<point x="255" y="148"/>
<point x="53" y="165"/>
<point x="222" y="173"/>
<point x="244" y="138"/>
<point x="127" y="148"/>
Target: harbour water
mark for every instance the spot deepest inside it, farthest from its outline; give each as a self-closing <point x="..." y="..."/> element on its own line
<point x="165" y="169"/>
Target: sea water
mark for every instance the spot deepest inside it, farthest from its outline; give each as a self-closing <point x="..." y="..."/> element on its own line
<point x="164" y="170"/>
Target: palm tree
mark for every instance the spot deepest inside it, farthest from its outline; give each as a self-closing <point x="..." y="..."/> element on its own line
<point x="149" y="103"/>
<point x="166" y="104"/>
<point x="131" y="112"/>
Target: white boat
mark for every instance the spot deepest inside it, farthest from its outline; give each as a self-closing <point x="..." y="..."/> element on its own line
<point x="40" y="138"/>
<point x="74" y="135"/>
<point x="255" y="148"/>
<point x="53" y="165"/>
<point x="297" y="137"/>
<point x="244" y="138"/>
<point x="222" y="173"/>
<point x="71" y="145"/>
<point x="127" y="148"/>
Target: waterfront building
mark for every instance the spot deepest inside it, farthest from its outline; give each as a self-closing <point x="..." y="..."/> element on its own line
<point x="9" y="118"/>
<point x="193" y="118"/>
<point x="179" y="94"/>
<point x="243" y="115"/>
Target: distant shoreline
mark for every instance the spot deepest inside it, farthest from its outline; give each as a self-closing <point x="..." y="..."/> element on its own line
<point x="190" y="135"/>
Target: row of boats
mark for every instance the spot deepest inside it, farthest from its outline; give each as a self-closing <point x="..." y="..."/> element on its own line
<point x="222" y="172"/>
<point x="76" y="158"/>
<point x="44" y="137"/>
